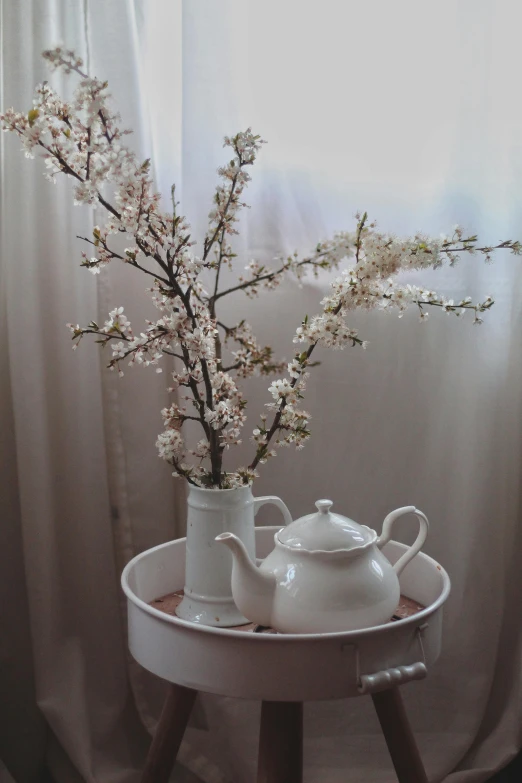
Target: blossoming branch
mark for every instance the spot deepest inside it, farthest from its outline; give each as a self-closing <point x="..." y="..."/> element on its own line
<point x="83" y="140"/>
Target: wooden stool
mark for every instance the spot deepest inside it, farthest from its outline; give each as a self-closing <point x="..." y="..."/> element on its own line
<point x="280" y="670"/>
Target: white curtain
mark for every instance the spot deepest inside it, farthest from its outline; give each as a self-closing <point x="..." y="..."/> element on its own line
<point x="407" y="110"/>
<point x="82" y="487"/>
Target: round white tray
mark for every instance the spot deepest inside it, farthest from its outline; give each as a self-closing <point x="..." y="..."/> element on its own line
<point x="281" y="667"/>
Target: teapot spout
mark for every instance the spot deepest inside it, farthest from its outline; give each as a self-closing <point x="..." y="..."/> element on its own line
<point x="252" y="589"/>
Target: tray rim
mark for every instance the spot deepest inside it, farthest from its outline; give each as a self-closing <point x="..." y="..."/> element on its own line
<point x="229" y="633"/>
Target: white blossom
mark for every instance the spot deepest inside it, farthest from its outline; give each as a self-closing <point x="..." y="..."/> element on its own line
<point x="82" y="138"/>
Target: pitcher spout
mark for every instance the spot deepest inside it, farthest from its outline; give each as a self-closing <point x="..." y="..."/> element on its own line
<point x="252" y="589"/>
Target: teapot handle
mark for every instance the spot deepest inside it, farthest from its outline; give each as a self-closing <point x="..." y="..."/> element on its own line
<point x="258" y="502"/>
<point x="419" y="541"/>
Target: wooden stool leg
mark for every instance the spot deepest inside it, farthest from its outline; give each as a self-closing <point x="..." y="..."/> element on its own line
<point x="168" y="735"/>
<point x="399" y="736"/>
<point x="281" y="742"/>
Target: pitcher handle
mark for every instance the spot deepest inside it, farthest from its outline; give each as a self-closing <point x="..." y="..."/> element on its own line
<point x="385" y="536"/>
<point x="258" y="502"/>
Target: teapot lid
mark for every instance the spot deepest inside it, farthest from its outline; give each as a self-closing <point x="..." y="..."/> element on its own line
<point x="325" y="531"/>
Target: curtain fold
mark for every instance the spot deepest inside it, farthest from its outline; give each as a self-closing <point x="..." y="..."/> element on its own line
<point x="408" y="112"/>
<point x="91" y="491"/>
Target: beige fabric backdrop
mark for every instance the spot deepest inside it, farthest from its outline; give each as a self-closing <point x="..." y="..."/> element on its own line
<point x="82" y="487"/>
<point x="428" y="415"/>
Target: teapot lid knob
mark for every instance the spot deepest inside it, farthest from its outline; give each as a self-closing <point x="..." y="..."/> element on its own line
<point x="324" y="506"/>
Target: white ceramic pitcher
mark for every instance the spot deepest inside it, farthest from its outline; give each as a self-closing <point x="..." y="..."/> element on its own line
<point x="208" y="595"/>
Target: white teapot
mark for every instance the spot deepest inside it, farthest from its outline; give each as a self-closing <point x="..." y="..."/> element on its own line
<point x="326" y="573"/>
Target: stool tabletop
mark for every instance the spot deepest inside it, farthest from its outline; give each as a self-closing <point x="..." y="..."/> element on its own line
<point x="280" y="667"/>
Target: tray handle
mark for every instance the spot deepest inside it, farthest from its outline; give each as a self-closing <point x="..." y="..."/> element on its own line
<point x="388" y="678"/>
<point x="396" y="675"/>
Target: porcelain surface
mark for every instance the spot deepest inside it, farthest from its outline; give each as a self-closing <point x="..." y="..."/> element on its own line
<point x="208" y="598"/>
<point x="326" y="573"/>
